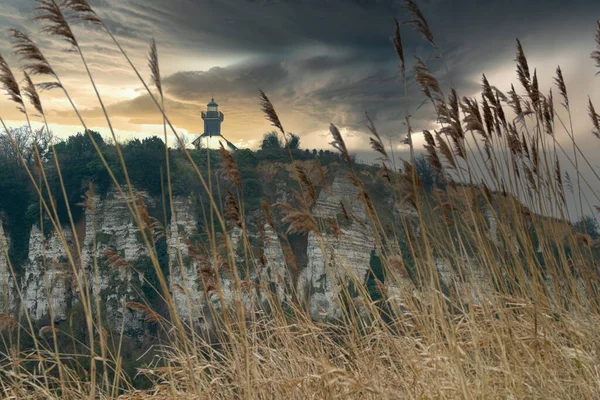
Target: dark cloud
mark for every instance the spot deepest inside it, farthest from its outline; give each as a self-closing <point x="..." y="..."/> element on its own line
<point x="320" y="61"/>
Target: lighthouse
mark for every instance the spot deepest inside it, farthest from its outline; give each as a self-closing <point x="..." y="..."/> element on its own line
<point x="213" y="118"/>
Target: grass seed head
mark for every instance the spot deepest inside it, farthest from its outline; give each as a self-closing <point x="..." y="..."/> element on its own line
<point x="10" y="84"/>
<point x="56" y="24"/>
<point x="596" y="53"/>
<point x="338" y="142"/>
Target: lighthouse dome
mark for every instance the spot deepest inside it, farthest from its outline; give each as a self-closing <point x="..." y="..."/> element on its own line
<point x="212" y="106"/>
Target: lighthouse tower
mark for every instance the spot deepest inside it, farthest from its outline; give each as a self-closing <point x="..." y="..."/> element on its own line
<point x="212" y="118"/>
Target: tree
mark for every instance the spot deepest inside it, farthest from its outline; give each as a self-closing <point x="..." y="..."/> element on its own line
<point x="427" y="175"/>
<point x="23" y="142"/>
<point x="294" y="141"/>
<point x="246" y="160"/>
<point x="16" y="191"/>
<point x="588" y="225"/>
<point x="80" y="165"/>
<point x="271" y="141"/>
<point x="184" y="141"/>
<point x="144" y="160"/>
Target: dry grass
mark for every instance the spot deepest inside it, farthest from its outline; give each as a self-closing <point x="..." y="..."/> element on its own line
<point x="517" y="317"/>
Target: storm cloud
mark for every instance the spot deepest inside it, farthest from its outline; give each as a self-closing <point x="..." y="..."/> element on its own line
<point x="320" y="61"/>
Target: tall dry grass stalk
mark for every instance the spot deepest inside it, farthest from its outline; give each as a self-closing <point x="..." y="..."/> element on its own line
<point x="596" y="53"/>
<point x="487" y="290"/>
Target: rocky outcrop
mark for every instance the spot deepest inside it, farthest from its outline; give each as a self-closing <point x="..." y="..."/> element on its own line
<point x="109" y="227"/>
<point x="334" y="262"/>
<point x="185" y="281"/>
<point x="49" y="285"/>
<point x="6" y="287"/>
<point x="116" y="266"/>
<point x="470" y="285"/>
<point x="46" y="284"/>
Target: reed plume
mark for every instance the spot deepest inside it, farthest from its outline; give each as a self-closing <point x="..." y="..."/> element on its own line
<point x="47" y="329"/>
<point x="363" y="195"/>
<point x="432" y="155"/>
<point x="335" y="228"/>
<point x="32" y="94"/>
<point x="10" y="84"/>
<point x="229" y="167"/>
<point x="299" y="221"/>
<point x="307" y="183"/>
<point x="232" y="210"/>
<point x="514" y="141"/>
<point x="375" y="140"/>
<point x="56" y="24"/>
<point x="499" y="109"/>
<point x="411" y="176"/>
<point x="534" y="93"/>
<point x="267" y="211"/>
<point x="548" y="114"/>
<point x="596" y="53"/>
<point x="35" y="63"/>
<point x="338" y="142"/>
<point x="568" y="182"/>
<point x="428" y="82"/>
<point x="523" y="68"/>
<point x="488" y="117"/>
<point x="158" y="229"/>
<point x="384" y="173"/>
<point x="144" y="215"/>
<point x="359" y="221"/>
<point x="87" y="200"/>
<point x="154" y="66"/>
<point x="472" y="116"/>
<point x="150" y="315"/>
<point x="493" y="96"/>
<point x="445" y="150"/>
<point x="397" y="40"/>
<point x="7" y="322"/>
<point x="486" y="91"/>
<point x="80" y="10"/>
<point x="114" y="259"/>
<point x="594" y="117"/>
<point x="270" y="113"/>
<point x="449" y="116"/>
<point x="418" y="21"/>
<point x="562" y="88"/>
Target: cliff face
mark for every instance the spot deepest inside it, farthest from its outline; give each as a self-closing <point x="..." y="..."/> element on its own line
<point x="328" y="263"/>
<point x="6" y="288"/>
<point x="49" y="286"/>
<point x="47" y="282"/>
<point x="109" y="226"/>
<point x="332" y="261"/>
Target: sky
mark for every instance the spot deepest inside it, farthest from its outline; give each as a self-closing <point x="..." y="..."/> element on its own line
<point x="319" y="61"/>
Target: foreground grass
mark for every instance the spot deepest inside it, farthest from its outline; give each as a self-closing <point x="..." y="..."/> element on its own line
<point x="493" y="354"/>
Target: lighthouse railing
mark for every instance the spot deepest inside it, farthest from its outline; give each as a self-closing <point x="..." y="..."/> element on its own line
<point x="212" y="115"/>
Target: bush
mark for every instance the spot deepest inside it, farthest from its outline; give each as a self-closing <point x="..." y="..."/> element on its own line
<point x="271" y="141"/>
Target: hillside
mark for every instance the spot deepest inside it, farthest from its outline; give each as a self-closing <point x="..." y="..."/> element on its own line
<point x="312" y="267"/>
